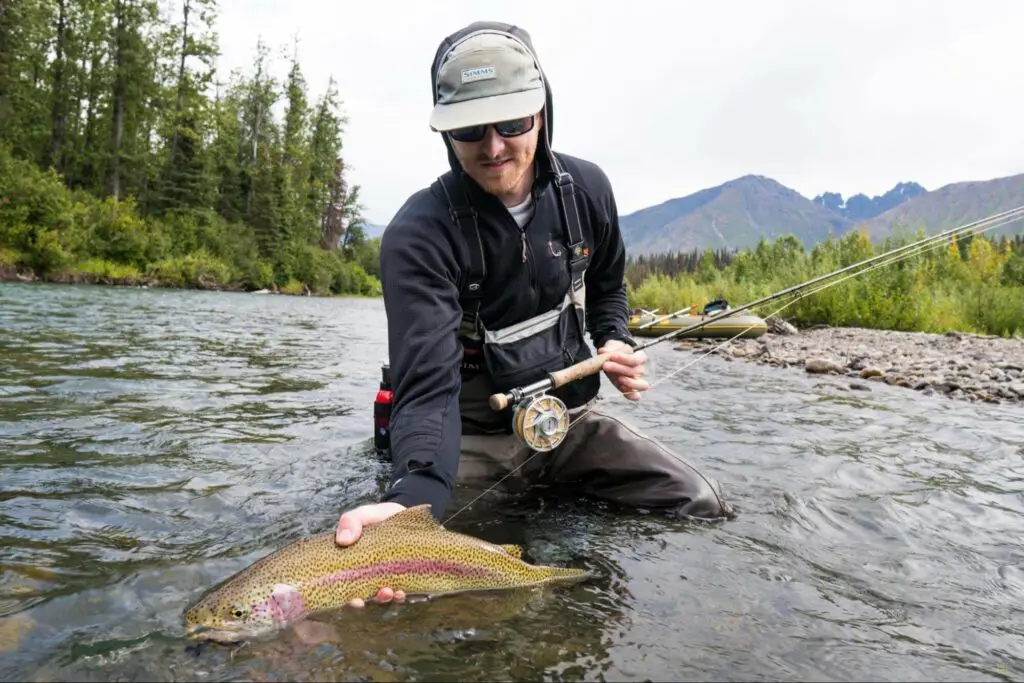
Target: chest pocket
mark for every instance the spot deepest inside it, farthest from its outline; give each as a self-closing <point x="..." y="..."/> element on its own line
<point x="552" y="256"/>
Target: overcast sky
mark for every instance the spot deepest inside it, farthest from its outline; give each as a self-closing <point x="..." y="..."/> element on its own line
<point x="672" y="97"/>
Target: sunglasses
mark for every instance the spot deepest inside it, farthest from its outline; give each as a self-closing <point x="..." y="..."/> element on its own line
<point x="506" y="129"/>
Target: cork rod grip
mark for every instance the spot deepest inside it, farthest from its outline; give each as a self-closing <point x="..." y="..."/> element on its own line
<point x="579" y="371"/>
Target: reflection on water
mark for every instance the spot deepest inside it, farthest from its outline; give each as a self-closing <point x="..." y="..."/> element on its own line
<point x="153" y="442"/>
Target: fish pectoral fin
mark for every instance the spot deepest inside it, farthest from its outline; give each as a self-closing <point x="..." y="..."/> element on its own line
<point x="513" y="550"/>
<point x="312" y="632"/>
<point x="286" y="603"/>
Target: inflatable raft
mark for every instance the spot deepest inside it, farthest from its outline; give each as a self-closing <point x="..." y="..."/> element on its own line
<point x="644" y="323"/>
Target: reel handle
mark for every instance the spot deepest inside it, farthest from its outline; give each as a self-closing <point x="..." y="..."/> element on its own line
<point x="554" y="380"/>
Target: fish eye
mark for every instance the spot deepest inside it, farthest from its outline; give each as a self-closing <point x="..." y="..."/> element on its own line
<point x="238" y="612"/>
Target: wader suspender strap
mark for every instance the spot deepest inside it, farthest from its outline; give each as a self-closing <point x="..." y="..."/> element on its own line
<point x="579" y="254"/>
<point x="473" y="291"/>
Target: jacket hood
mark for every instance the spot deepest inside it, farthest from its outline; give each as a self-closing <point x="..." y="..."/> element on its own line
<point x="545" y="157"/>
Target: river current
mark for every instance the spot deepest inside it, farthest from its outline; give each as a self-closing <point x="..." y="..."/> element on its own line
<point x="153" y="442"/>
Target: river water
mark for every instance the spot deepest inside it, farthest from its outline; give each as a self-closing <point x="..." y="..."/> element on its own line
<point x="152" y="442"/>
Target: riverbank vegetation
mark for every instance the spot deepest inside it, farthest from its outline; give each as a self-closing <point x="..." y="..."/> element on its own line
<point x="125" y="159"/>
<point x="971" y="284"/>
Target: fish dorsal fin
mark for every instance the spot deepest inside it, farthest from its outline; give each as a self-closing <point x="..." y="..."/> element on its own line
<point x="416" y="518"/>
<point x="513" y="550"/>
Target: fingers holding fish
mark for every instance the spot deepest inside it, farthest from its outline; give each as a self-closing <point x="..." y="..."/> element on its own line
<point x="384" y="595"/>
<point x="350" y="524"/>
<point x="350" y="528"/>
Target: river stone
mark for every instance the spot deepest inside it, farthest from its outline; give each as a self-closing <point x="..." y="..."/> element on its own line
<point x="822" y="365"/>
<point x="965" y="366"/>
<point x="780" y="327"/>
<point x="858" y="363"/>
<point x="1004" y="392"/>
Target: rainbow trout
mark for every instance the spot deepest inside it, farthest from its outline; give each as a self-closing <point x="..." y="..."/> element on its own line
<point x="409" y="551"/>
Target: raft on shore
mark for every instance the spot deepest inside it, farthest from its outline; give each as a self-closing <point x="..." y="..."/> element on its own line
<point x="644" y="323"/>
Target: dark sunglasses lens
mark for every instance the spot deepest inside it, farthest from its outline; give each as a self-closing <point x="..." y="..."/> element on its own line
<point x="514" y="127"/>
<point x="468" y="134"/>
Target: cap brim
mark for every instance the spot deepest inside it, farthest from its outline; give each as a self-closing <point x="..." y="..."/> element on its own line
<point x="515" y="105"/>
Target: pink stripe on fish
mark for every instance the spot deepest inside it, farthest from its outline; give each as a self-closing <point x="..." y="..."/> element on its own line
<point x="446" y="567"/>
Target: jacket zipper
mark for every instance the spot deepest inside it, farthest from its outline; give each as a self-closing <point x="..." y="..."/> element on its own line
<point x="527" y="250"/>
<point x="529" y="261"/>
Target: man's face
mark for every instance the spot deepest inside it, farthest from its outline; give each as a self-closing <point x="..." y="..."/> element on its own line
<point x="501" y="165"/>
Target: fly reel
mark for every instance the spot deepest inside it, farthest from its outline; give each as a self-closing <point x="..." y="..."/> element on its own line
<point x="541" y="422"/>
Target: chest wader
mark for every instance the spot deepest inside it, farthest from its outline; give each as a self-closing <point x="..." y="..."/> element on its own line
<point x="502" y="359"/>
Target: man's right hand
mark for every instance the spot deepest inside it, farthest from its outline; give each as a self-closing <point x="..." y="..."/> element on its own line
<point x="350" y="528"/>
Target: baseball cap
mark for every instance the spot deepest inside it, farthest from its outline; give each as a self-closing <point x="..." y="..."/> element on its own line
<point x="487" y="77"/>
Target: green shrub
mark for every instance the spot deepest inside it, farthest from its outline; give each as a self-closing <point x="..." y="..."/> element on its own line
<point x="198" y="269"/>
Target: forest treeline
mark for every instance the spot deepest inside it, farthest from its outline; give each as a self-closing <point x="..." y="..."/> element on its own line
<point x="125" y="157"/>
<point x="972" y="284"/>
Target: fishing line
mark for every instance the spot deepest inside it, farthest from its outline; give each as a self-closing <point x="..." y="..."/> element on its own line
<point x="888" y="258"/>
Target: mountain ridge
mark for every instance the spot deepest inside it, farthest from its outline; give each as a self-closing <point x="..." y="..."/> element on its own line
<point x="739" y="212"/>
<point x="952" y="205"/>
<point x="861" y="207"/>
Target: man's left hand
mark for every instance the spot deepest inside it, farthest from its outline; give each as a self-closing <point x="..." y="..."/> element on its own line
<point x="625" y="368"/>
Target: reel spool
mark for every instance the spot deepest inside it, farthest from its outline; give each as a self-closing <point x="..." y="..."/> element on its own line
<point x="541" y="422"/>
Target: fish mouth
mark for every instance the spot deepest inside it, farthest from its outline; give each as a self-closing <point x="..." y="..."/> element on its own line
<point x="222" y="636"/>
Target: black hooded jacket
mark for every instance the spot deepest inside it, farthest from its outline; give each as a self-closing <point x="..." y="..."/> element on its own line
<point x="424" y="261"/>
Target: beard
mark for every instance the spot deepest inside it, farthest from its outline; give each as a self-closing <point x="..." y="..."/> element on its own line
<point x="506" y="179"/>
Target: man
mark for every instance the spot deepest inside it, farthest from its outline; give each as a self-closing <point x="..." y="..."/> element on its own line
<point x="491" y="275"/>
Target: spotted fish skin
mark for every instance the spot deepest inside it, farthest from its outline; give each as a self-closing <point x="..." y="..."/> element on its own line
<point x="409" y="552"/>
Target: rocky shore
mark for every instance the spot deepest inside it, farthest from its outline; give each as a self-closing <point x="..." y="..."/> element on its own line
<point x="960" y="366"/>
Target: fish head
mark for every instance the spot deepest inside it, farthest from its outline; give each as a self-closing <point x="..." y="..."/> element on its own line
<point x="244" y="611"/>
